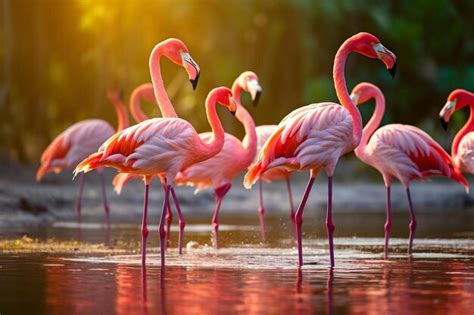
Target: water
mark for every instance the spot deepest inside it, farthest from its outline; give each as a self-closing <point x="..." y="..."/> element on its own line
<point x="246" y="276"/>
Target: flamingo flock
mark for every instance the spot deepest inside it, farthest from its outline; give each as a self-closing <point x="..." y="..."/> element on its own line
<point x="311" y="138"/>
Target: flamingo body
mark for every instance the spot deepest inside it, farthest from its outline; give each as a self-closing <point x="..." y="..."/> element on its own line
<point x="73" y="145"/>
<point x="312" y="137"/>
<point x="406" y="153"/>
<point x="154" y="146"/>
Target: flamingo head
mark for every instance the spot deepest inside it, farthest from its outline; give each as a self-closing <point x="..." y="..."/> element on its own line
<point x="115" y="95"/>
<point x="363" y="92"/>
<point x="223" y="96"/>
<point x="368" y="45"/>
<point x="457" y="100"/>
<point x="248" y="81"/>
<point x="178" y="53"/>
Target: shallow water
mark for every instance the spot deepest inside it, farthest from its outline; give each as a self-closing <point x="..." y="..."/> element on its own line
<point x="247" y="276"/>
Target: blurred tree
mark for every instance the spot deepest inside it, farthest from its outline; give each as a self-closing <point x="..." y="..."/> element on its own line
<point x="59" y="57"/>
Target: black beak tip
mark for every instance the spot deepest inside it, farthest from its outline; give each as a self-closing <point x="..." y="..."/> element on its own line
<point x="257" y="98"/>
<point x="194" y="82"/>
<point x="393" y="70"/>
<point x="233" y="112"/>
<point x="444" y="124"/>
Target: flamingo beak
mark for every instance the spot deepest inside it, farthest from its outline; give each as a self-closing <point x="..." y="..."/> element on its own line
<point x="446" y="112"/>
<point x="255" y="91"/>
<point x="388" y="58"/>
<point x="393" y="70"/>
<point x="192" y="68"/>
<point x="233" y="106"/>
<point x="444" y="124"/>
<point x="355" y="98"/>
<point x="194" y="82"/>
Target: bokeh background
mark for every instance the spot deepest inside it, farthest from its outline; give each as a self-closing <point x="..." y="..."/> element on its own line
<point x="58" y="58"/>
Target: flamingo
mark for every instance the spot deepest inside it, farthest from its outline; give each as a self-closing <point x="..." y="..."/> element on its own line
<point x="176" y="51"/>
<point x="313" y="137"/>
<point x="462" y="149"/>
<point x="278" y="173"/>
<point x="162" y="146"/>
<point x="79" y="141"/>
<point x="219" y="171"/>
<point x="399" y="151"/>
<point x="146" y="92"/>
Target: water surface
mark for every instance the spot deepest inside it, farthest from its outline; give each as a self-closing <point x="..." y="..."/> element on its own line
<point x="247" y="276"/>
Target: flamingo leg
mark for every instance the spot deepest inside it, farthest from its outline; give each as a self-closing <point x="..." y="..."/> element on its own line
<point x="261" y="211"/>
<point x="182" y="223"/>
<point x="169" y="218"/>
<point x="299" y="219"/>
<point x="104" y="199"/>
<point x="220" y="194"/>
<point x="161" y="228"/>
<point x="292" y="209"/>
<point x="79" y="197"/>
<point x="412" y="222"/>
<point x="329" y="222"/>
<point x="144" y="224"/>
<point x="388" y="223"/>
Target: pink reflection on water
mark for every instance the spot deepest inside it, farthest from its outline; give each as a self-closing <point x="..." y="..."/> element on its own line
<point x="359" y="287"/>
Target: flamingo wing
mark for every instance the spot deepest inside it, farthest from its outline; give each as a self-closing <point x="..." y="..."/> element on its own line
<point x="151" y="147"/>
<point x="408" y="152"/>
<point x="313" y="136"/>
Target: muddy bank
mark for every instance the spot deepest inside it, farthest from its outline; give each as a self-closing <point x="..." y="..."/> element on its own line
<point x="25" y="202"/>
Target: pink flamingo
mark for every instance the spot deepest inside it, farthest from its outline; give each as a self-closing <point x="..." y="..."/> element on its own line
<point x="462" y="149"/>
<point x="278" y="173"/>
<point x="219" y="171"/>
<point x="313" y="137"/>
<point x="146" y="92"/>
<point x="399" y="151"/>
<point x="162" y="146"/>
<point x="79" y="141"/>
<point x="176" y="51"/>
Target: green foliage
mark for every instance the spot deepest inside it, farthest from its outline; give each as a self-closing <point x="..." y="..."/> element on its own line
<point x="65" y="54"/>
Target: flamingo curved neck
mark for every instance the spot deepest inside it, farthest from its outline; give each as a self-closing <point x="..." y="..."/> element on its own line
<point x="374" y="121"/>
<point x="341" y="89"/>
<point x="468" y="127"/>
<point x="216" y="142"/>
<point x="164" y="102"/>
<point x="143" y="92"/>
<point x="250" y="142"/>
<point x="122" y="115"/>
